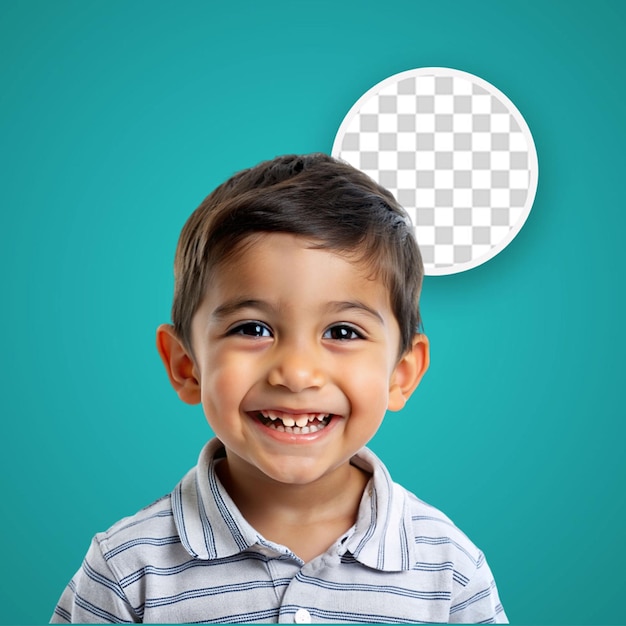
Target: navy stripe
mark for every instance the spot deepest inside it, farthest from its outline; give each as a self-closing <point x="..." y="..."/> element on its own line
<point x="225" y="513"/>
<point x="432" y="518"/>
<point x="381" y="546"/>
<point x="459" y="578"/>
<point x="481" y="595"/>
<point x="351" y="616"/>
<point x="433" y="567"/>
<point x="404" y="547"/>
<point x="158" y="514"/>
<point x="141" y="541"/>
<point x="437" y="541"/>
<point x="215" y="591"/>
<point x="63" y="614"/>
<point x="97" y="611"/>
<point x="374" y="588"/>
<point x="243" y="618"/>
<point x="152" y="570"/>
<point x="480" y="561"/>
<point x="207" y="531"/>
<point x="102" y="580"/>
<point x="159" y="571"/>
<point x="179" y="515"/>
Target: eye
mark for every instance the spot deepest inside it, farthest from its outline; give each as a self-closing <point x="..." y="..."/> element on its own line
<point x="251" y="329"/>
<point x="342" y="332"/>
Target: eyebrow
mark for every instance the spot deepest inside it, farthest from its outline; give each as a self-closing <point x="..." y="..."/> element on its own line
<point x="351" y="305"/>
<point x="232" y="306"/>
<point x="339" y="306"/>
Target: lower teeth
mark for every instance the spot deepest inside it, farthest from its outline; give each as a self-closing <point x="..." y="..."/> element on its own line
<point x="297" y="430"/>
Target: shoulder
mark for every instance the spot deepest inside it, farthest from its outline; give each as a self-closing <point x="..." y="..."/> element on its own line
<point x="439" y="542"/>
<point x="149" y="537"/>
<point x="153" y="525"/>
<point x="104" y="588"/>
<point x="428" y="532"/>
<point x="433" y="529"/>
<point x="152" y="518"/>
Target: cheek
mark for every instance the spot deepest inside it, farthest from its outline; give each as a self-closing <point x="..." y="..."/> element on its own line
<point x="225" y="385"/>
<point x="221" y="402"/>
<point x="368" y="382"/>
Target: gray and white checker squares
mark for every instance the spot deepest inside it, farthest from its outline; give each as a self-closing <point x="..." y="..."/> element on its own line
<point x="456" y="153"/>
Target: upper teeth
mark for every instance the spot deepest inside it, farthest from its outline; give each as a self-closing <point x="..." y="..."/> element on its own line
<point x="300" y="420"/>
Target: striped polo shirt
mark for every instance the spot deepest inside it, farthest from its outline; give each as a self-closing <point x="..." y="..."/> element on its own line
<point x="192" y="557"/>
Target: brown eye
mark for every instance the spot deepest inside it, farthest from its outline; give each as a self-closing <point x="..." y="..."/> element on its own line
<point x="342" y="332"/>
<point x="251" y="329"/>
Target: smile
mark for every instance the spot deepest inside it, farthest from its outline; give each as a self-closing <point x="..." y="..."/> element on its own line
<point x="296" y="424"/>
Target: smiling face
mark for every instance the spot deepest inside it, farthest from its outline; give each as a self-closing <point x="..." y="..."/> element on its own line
<point x="295" y="359"/>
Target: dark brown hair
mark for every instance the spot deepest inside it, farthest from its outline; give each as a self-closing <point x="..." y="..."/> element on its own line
<point x="315" y="196"/>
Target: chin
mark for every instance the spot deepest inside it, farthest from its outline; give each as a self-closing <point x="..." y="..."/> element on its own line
<point x="292" y="475"/>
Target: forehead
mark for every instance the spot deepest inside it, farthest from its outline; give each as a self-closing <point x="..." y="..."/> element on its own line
<point x="293" y="268"/>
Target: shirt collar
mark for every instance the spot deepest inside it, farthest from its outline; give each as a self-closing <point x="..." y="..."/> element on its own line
<point x="211" y="527"/>
<point x="383" y="533"/>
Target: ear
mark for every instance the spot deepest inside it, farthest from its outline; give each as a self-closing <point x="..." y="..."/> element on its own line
<point x="178" y="364"/>
<point x="408" y="372"/>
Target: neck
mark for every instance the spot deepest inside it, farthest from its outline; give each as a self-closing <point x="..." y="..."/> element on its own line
<point x="326" y="508"/>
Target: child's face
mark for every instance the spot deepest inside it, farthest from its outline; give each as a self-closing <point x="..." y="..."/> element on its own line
<point x="296" y="358"/>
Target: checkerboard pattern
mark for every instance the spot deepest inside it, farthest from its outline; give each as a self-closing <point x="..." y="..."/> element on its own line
<point x="456" y="154"/>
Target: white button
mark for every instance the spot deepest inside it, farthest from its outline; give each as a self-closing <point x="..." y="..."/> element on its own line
<point x="302" y="616"/>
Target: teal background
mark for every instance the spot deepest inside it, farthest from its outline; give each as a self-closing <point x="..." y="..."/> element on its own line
<point x="117" y="118"/>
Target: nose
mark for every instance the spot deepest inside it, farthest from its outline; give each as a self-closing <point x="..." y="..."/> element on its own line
<point x="297" y="368"/>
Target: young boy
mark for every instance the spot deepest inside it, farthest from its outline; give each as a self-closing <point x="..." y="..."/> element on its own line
<point x="296" y="326"/>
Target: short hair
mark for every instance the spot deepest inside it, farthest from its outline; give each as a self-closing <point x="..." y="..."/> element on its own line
<point x="315" y="196"/>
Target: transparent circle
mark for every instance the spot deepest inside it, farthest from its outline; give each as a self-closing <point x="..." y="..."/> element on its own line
<point x="456" y="153"/>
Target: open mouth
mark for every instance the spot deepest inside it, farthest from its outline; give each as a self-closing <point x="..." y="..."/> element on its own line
<point x="296" y="424"/>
